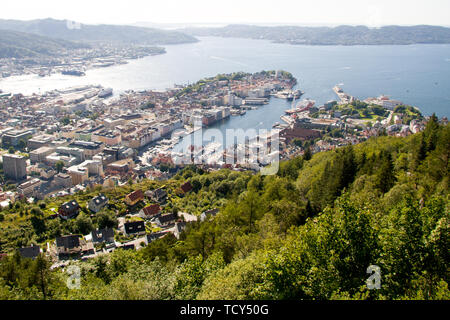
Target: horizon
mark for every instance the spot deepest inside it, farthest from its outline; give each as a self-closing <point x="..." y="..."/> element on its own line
<point x="180" y="25"/>
<point x="251" y="12"/>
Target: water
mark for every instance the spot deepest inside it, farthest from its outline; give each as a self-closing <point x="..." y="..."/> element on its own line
<point x="417" y="74"/>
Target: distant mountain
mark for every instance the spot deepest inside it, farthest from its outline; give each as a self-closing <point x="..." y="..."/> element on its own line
<point x="341" y="35"/>
<point x="15" y="44"/>
<point x="67" y="30"/>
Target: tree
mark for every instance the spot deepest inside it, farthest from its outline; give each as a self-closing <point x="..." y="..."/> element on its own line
<point x="11" y="150"/>
<point x="84" y="224"/>
<point x="22" y="144"/>
<point x="420" y="152"/>
<point x="42" y="271"/>
<point x="307" y="155"/>
<point x="386" y="176"/>
<point x="65" y="121"/>
<point x="430" y="133"/>
<point x="106" y="220"/>
<point x="37" y="220"/>
<point x="59" y="166"/>
<point x="349" y="167"/>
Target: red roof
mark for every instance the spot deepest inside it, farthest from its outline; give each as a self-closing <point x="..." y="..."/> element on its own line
<point x="135" y="195"/>
<point x="152" y="209"/>
<point x="186" y="187"/>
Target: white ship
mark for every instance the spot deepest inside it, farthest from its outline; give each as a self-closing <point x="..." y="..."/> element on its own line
<point x="105" y="93"/>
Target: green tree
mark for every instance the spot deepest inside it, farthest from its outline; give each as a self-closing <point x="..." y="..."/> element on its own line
<point x="307" y="155"/>
<point x="59" y="165"/>
<point x="386" y="176"/>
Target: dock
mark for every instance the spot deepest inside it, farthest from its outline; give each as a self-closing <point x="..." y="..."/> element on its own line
<point x="344" y="97"/>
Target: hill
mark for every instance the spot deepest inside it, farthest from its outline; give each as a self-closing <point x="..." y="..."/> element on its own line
<point x="309" y="232"/>
<point x="15" y="44"/>
<point x="63" y="29"/>
<point x="341" y="35"/>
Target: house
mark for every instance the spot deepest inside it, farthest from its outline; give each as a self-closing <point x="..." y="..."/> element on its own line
<point x="166" y="219"/>
<point x="103" y="235"/>
<point x="30" y="252"/>
<point x="66" y="245"/>
<point x="134" y="197"/>
<point x="150" y="211"/>
<point x="208" y="213"/>
<point x="186" y="187"/>
<point x="179" y="227"/>
<point x="155" y="235"/>
<point x="158" y="195"/>
<point x="69" y="209"/>
<point x="134" y="228"/>
<point x="97" y="203"/>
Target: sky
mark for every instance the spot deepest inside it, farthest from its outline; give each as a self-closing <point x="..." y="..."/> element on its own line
<point x="302" y="12"/>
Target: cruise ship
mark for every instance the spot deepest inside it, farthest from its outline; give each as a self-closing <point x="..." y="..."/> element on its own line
<point x="105" y="93"/>
<point x="288" y="94"/>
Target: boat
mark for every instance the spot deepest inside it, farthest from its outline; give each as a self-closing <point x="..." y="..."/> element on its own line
<point x="242" y="112"/>
<point x="105" y="93"/>
<point x="298" y="93"/>
<point x="303" y="105"/>
<point x="283" y="94"/>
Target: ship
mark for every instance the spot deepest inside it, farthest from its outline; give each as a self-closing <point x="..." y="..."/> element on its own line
<point x="303" y="105"/>
<point x="73" y="73"/>
<point x="283" y="94"/>
<point x="289" y="95"/>
<point x="298" y="93"/>
<point x="105" y="93"/>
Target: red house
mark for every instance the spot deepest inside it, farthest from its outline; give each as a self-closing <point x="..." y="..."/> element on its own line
<point x="186" y="187"/>
<point x="132" y="198"/>
<point x="151" y="210"/>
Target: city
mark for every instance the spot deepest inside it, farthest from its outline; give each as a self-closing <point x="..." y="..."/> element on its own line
<point x="149" y="151"/>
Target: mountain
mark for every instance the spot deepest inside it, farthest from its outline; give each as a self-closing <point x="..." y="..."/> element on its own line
<point x="341" y="35"/>
<point x="15" y="44"/>
<point x="71" y="31"/>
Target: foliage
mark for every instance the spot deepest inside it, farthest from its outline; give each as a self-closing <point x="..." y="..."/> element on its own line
<point x="308" y="232"/>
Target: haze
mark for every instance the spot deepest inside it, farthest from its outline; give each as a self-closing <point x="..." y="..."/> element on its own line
<point x="319" y="12"/>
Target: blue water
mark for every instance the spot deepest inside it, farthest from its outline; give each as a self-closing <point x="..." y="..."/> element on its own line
<point x="416" y="74"/>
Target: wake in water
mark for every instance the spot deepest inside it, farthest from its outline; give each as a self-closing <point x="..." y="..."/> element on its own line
<point x="229" y="60"/>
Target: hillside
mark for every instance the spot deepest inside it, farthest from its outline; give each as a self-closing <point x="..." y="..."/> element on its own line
<point x="61" y="29"/>
<point x="308" y="232"/>
<point x="15" y="44"/>
<point x="341" y="35"/>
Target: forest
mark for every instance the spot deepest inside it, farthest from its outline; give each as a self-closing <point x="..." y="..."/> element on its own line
<point x="309" y="232"/>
